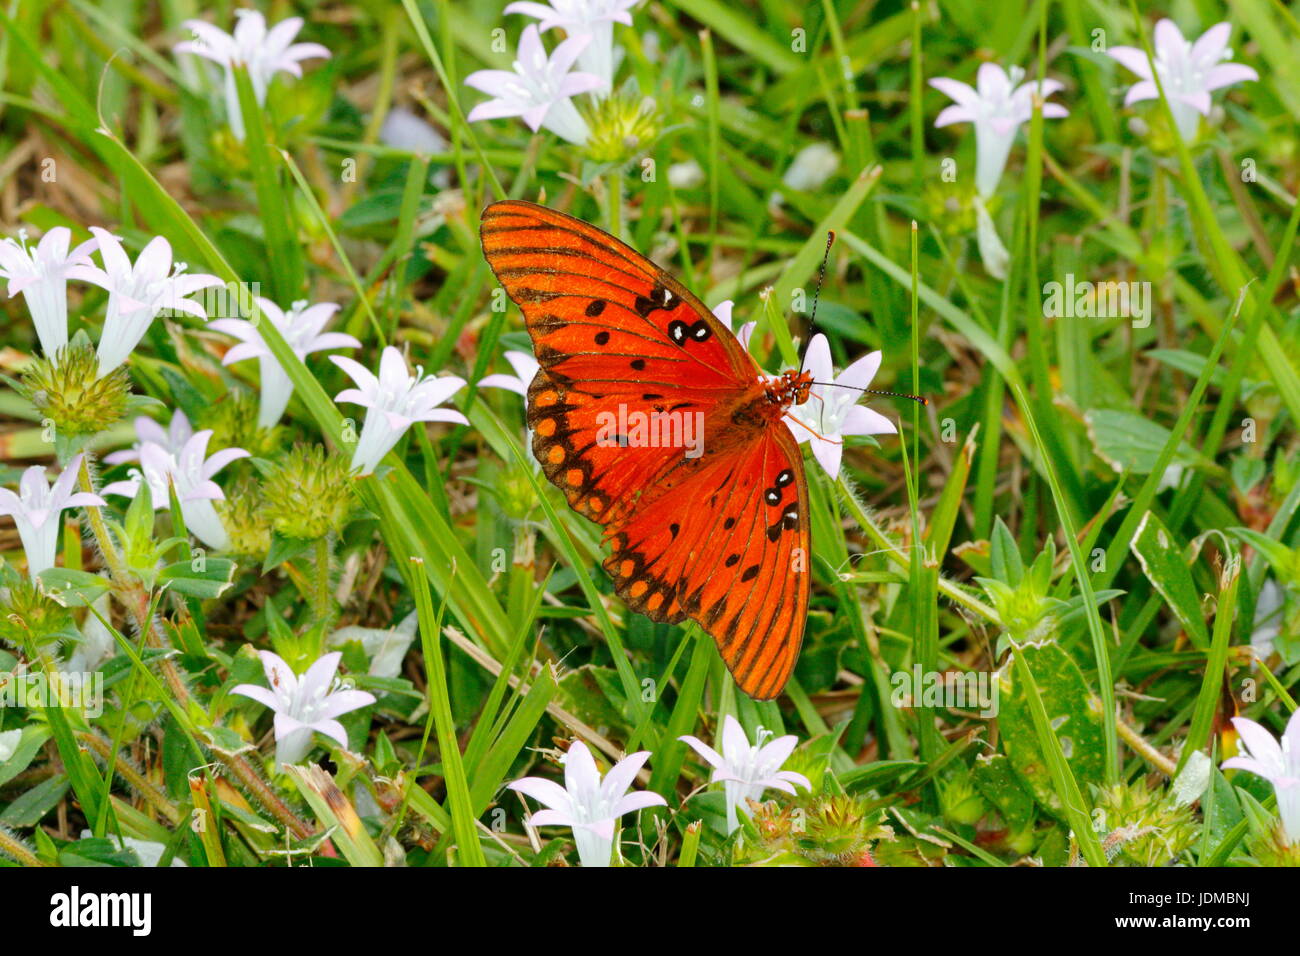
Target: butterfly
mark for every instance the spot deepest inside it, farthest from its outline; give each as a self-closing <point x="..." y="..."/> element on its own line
<point x="656" y="423"/>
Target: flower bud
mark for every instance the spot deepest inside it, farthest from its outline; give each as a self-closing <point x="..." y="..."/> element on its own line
<point x="622" y="127"/>
<point x="72" y="395"/>
<point x="308" y="494"/>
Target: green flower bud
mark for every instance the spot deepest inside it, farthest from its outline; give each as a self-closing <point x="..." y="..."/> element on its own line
<point x="1272" y="849"/>
<point x="622" y="127"/>
<point x="29" y="616"/>
<point x="839" y="830"/>
<point x="308" y="494"/>
<point x="961" y="802"/>
<point x="233" y="421"/>
<point x="72" y="396"/>
<point x="1141" y="825"/>
<point x="244" y="515"/>
<point x="1021" y="839"/>
<point x="229" y="153"/>
<point x="951" y="206"/>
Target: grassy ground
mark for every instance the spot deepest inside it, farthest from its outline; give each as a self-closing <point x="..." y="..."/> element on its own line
<point x="1093" y="517"/>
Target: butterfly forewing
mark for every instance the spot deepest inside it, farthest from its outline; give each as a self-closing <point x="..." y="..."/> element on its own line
<point x="601" y="313"/>
<point x="716" y="531"/>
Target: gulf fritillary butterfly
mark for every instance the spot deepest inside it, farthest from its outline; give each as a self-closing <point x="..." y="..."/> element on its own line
<point x="721" y="537"/>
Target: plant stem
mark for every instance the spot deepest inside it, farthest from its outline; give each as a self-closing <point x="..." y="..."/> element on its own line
<point x="891" y="550"/>
<point x="251" y="779"/>
<point x="1145" y="750"/>
<point x="324" y="604"/>
<point x="134" y="596"/>
<point x="12" y="846"/>
<point x="616" y="203"/>
<point x="128" y="772"/>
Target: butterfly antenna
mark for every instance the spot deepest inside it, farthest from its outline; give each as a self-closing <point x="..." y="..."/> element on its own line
<point x="821" y="275"/>
<point x="812" y="325"/>
<point x="817" y="292"/>
<point x="877" y="391"/>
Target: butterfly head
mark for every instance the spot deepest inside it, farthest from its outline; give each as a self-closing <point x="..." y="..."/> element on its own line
<point x="789" y="388"/>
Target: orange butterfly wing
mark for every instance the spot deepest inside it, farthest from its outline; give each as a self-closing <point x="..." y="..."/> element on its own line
<point x="718" y="532"/>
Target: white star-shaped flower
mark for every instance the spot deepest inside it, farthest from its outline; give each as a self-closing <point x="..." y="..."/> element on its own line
<point x="587" y="804"/>
<point x="722" y="312"/>
<point x="745" y="769"/>
<point x="590" y="18"/>
<point x="138" y="293"/>
<point x="997" y="107"/>
<point x="540" y="89"/>
<point x="304" y="705"/>
<point x="1189" y="72"/>
<point x="525" y="367"/>
<point x="396" y="400"/>
<point x="1278" y="762"/>
<point x="40" y="273"/>
<point x="832" y="411"/>
<point x="302" y="327"/>
<point x="172" y="438"/>
<point x="36" y="509"/>
<point x="190" y="469"/>
<point x="264" y="52"/>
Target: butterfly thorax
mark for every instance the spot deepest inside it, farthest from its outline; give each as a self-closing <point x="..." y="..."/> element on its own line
<point x="767" y="400"/>
<point x="788" y="388"/>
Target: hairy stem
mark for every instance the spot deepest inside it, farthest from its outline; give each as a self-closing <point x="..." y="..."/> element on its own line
<point x="11" y="845"/>
<point x="136" y="598"/>
<point x="132" y="775"/>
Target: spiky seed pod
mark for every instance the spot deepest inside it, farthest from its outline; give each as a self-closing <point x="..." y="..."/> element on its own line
<point x="244" y="516"/>
<point x="308" y="494"/>
<point x="839" y="831"/>
<point x="961" y="802"/>
<point x="1144" y="826"/>
<point x="1272" y="848"/>
<point x="951" y="207"/>
<point x="72" y="395"/>
<point x="622" y="126"/>
<point x="28" y="614"/>
<point x="233" y="421"/>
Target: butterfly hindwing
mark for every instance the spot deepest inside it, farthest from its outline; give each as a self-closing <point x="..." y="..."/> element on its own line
<point x="747" y="523"/>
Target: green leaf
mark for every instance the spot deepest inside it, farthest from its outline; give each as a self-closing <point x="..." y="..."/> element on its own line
<point x="97" y="852"/>
<point x="463" y="817"/>
<point x="210" y="580"/>
<point x="284" y="549"/>
<point x="29" y="744"/>
<point x="1004" y="555"/>
<point x="1074" y="717"/>
<point x="73" y="588"/>
<point x="1129" y="442"/>
<point x="1165" y="565"/>
<point x="31" y="806"/>
<point x="1282" y="559"/>
<point x="337" y="815"/>
<point x="998" y="783"/>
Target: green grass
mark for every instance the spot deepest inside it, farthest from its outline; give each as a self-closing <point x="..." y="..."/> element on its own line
<point x="1086" y="515"/>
